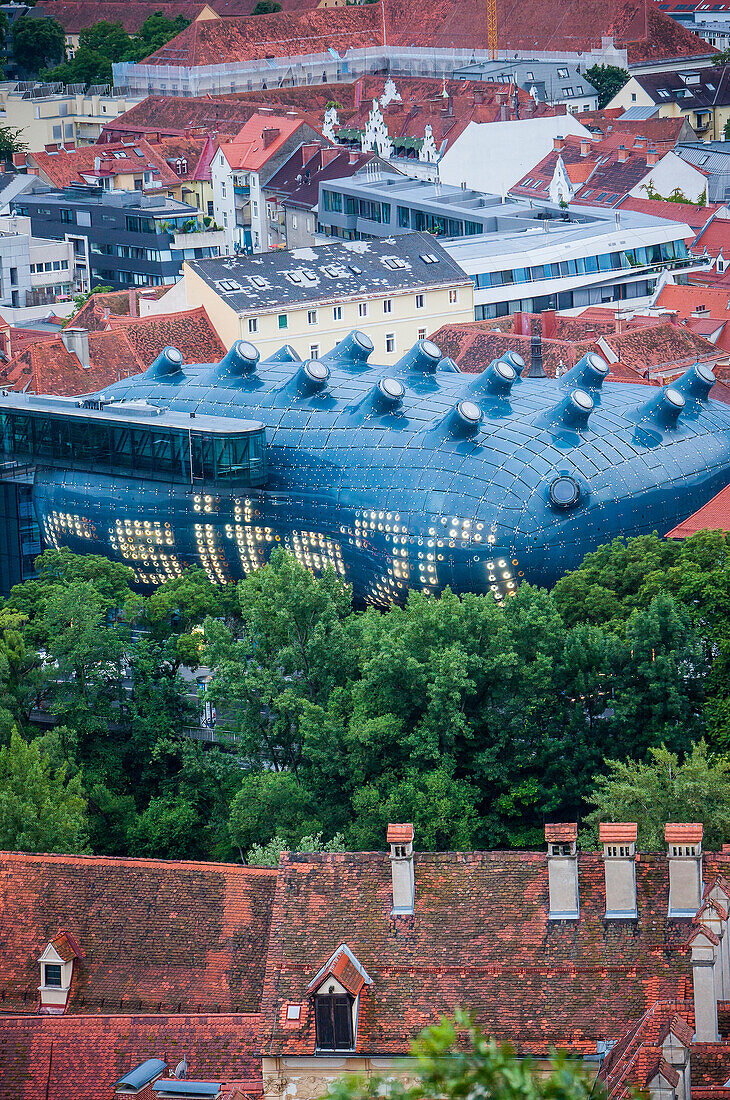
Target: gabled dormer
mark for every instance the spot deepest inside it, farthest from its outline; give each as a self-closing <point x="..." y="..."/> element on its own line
<point x="336" y="990"/>
<point x="57" y="966"/>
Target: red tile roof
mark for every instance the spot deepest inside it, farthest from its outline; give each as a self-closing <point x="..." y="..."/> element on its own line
<point x="347" y="974"/>
<point x="94" y="314"/>
<point x="676" y="832"/>
<point x="176" y="116"/>
<point x="118" y="348"/>
<point x="284" y="34"/>
<point x="259" y="140"/>
<point x="82" y="1057"/>
<point x="481" y="938"/>
<point x="92" y="162"/>
<point x="658" y="131"/>
<point x="188" y="157"/>
<point x="561" y="831"/>
<point x="400" y="834"/>
<point x="613" y="832"/>
<point x="713" y="516"/>
<point x="694" y="216"/>
<point x="75" y="15"/>
<point x="158" y="936"/>
<point x="714" y="238"/>
<point x="66" y="947"/>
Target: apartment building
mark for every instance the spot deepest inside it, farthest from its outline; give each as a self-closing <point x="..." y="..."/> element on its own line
<point x="395" y="291"/>
<point x="47" y="113"/>
<point x="33" y="269"/>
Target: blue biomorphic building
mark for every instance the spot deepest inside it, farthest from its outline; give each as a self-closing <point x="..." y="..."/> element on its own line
<point x="412" y="476"/>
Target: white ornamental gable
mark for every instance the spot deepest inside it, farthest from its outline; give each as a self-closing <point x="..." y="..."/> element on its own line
<point x="561" y="189"/>
<point x="375" y="136"/>
<point x="428" y="151"/>
<point x="331" y="124"/>
<point x="390" y="93"/>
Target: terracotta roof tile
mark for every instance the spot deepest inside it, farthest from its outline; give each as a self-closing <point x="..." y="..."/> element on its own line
<point x="713" y="516"/>
<point x="694" y="216"/>
<point x="613" y="832"/>
<point x="92" y="162"/>
<point x="82" y="1057"/>
<point x="400" y="834"/>
<point x="565" y="831"/>
<point x="676" y="832"/>
<point x="66" y="947"/>
<point x="347" y="974"/>
<point x="158" y="936"/>
<point x="259" y="140"/>
<point x="190" y="331"/>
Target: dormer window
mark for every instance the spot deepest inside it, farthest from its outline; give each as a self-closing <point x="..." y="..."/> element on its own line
<point x="52" y="975"/>
<point x="333" y="1020"/>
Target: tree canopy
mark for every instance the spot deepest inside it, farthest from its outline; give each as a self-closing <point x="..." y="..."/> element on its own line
<point x="608" y="80"/>
<point x="37" y="43"/>
<point x="316" y="723"/>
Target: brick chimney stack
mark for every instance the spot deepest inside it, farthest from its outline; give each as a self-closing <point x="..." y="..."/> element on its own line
<point x="652" y="158"/>
<point x="619" y="863"/>
<point x="562" y="857"/>
<point x="623" y="154"/>
<point x="270" y="134"/>
<point x="558" y="144"/>
<point x="585" y="147"/>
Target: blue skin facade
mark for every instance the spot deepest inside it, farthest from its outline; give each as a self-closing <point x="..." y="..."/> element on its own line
<point x="414" y="476"/>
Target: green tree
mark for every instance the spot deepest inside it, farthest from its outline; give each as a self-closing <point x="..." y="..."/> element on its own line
<point x="266" y="7"/>
<point x="10" y="142"/>
<point x="156" y="30"/>
<point x="108" y="39"/>
<point x="41" y="809"/>
<point x="167" y="830"/>
<point x="267" y="855"/>
<point x="267" y="798"/>
<point x="665" y="788"/>
<point x="181" y="605"/>
<point x="455" y="1059"/>
<point x="81" y="299"/>
<point x="37" y="43"/>
<point x="608" y="80"/>
<point x="86" y="67"/>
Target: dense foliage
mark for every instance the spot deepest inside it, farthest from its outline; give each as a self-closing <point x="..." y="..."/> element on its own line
<point x="477" y="722"/>
<point x="37" y="42"/>
<point x="104" y="43"/>
<point x="456" y="1059"/>
<point x="608" y="80"/>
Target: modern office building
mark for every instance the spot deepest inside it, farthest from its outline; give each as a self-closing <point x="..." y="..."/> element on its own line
<point x="412" y="476"/>
<point x="522" y="255"/>
<point x="122" y="238"/>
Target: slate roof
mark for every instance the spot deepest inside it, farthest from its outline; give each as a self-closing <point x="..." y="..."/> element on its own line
<point x="713" y="516"/>
<point x="81" y="1057"/>
<point x="284" y="278"/>
<point x="283" y="34"/>
<point x="67" y="166"/>
<point x="162" y="937"/>
<point x="480" y="938"/>
<point x="710" y="89"/>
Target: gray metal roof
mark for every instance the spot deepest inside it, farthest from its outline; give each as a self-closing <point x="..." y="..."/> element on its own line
<point x="713" y="157"/>
<point x="134" y="413"/>
<point x="639" y="114"/>
<point x="526" y="72"/>
<point x="341" y="270"/>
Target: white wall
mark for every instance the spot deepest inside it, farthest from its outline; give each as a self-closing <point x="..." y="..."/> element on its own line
<point x="671" y="172"/>
<point x="493" y="156"/>
<point x="224" y="202"/>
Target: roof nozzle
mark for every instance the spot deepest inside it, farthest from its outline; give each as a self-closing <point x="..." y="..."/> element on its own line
<point x="285" y="355"/>
<point x="588" y="373"/>
<point x="356" y="347"/>
<point x="696" y="382"/>
<point x="390" y="393"/>
<point x="497" y="380"/>
<point x="423" y="357"/>
<point x="167" y="364"/>
<point x="462" y="421"/>
<point x="448" y="364"/>
<point x="313" y="375"/>
<point x="575" y="409"/>
<point x="242" y="358"/>
<point x="664" y="408"/>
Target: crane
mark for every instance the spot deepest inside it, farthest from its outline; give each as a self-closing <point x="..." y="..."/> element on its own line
<point x="492" y="28"/>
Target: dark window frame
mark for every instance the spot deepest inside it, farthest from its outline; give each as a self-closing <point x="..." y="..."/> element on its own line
<point x="57" y="973"/>
<point x="333" y="1021"/>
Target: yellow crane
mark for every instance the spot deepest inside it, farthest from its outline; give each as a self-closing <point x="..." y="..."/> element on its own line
<point x="492" y="28"/>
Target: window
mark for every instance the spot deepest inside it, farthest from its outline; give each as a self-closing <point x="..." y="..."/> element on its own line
<point x="389" y="342"/>
<point x="314" y="351"/>
<point x="453" y="297"/>
<point x="293" y="221"/>
<point x="633" y="97"/>
<point x="337" y="313"/>
<point x="14" y="275"/>
<point x="333" y="1021"/>
<point x="52" y="975"/>
<point x="362" y="309"/>
<point x="57" y="133"/>
<point x="567" y="91"/>
<point x="312" y="317"/>
<point x="253" y="324"/>
<point x="388" y="305"/>
<point x="419" y="301"/>
<point x="67" y="216"/>
<point x="421" y="334"/>
<point x="283" y="320"/>
<point x="255" y="208"/>
<point x="562" y="73"/>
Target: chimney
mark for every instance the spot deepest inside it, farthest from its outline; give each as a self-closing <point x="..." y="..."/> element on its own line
<point x="562" y="857"/>
<point x="585" y="147"/>
<point x="269" y="134"/>
<point x="652" y="158"/>
<point x="704" y="944"/>
<point x="132" y="302"/>
<point x="76" y="341"/>
<point x="713" y="915"/>
<point x="623" y="154"/>
<point x="685" y="868"/>
<point x="548" y="324"/>
<point x="400" y="840"/>
<point x="619" y="864"/>
<point x="536" y="369"/>
<point x="558" y="144"/>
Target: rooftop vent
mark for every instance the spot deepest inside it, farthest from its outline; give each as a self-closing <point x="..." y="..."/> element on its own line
<point x="167" y="365"/>
<point x="424" y="357"/>
<point x="589" y="373"/>
<point x="400" y="842"/>
<point x="562" y="856"/>
<point x="619" y="866"/>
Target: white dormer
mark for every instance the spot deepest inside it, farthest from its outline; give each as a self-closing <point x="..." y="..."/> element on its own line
<point x="336" y="991"/>
<point x="57" y="963"/>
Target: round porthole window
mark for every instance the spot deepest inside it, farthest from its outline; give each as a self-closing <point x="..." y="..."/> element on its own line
<point x="469" y="412"/>
<point x="564" y="491"/>
<point x="391" y="389"/>
<point x="316" y="371"/>
<point x="506" y="371"/>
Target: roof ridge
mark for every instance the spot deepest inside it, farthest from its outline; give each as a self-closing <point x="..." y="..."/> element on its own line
<point x="137" y="861"/>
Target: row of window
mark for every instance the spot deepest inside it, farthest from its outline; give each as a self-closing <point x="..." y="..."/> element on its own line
<point x="49" y="265"/>
<point x="609" y="261"/>
<point x="566" y="299"/>
<point x="362" y="311"/>
<point x="418" y="220"/>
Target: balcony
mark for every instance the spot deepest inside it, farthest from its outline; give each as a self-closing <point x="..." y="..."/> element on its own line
<point x="241" y="189"/>
<point x="198" y="238"/>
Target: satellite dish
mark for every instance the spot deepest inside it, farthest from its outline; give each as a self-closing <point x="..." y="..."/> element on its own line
<point x="181" y="1069"/>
